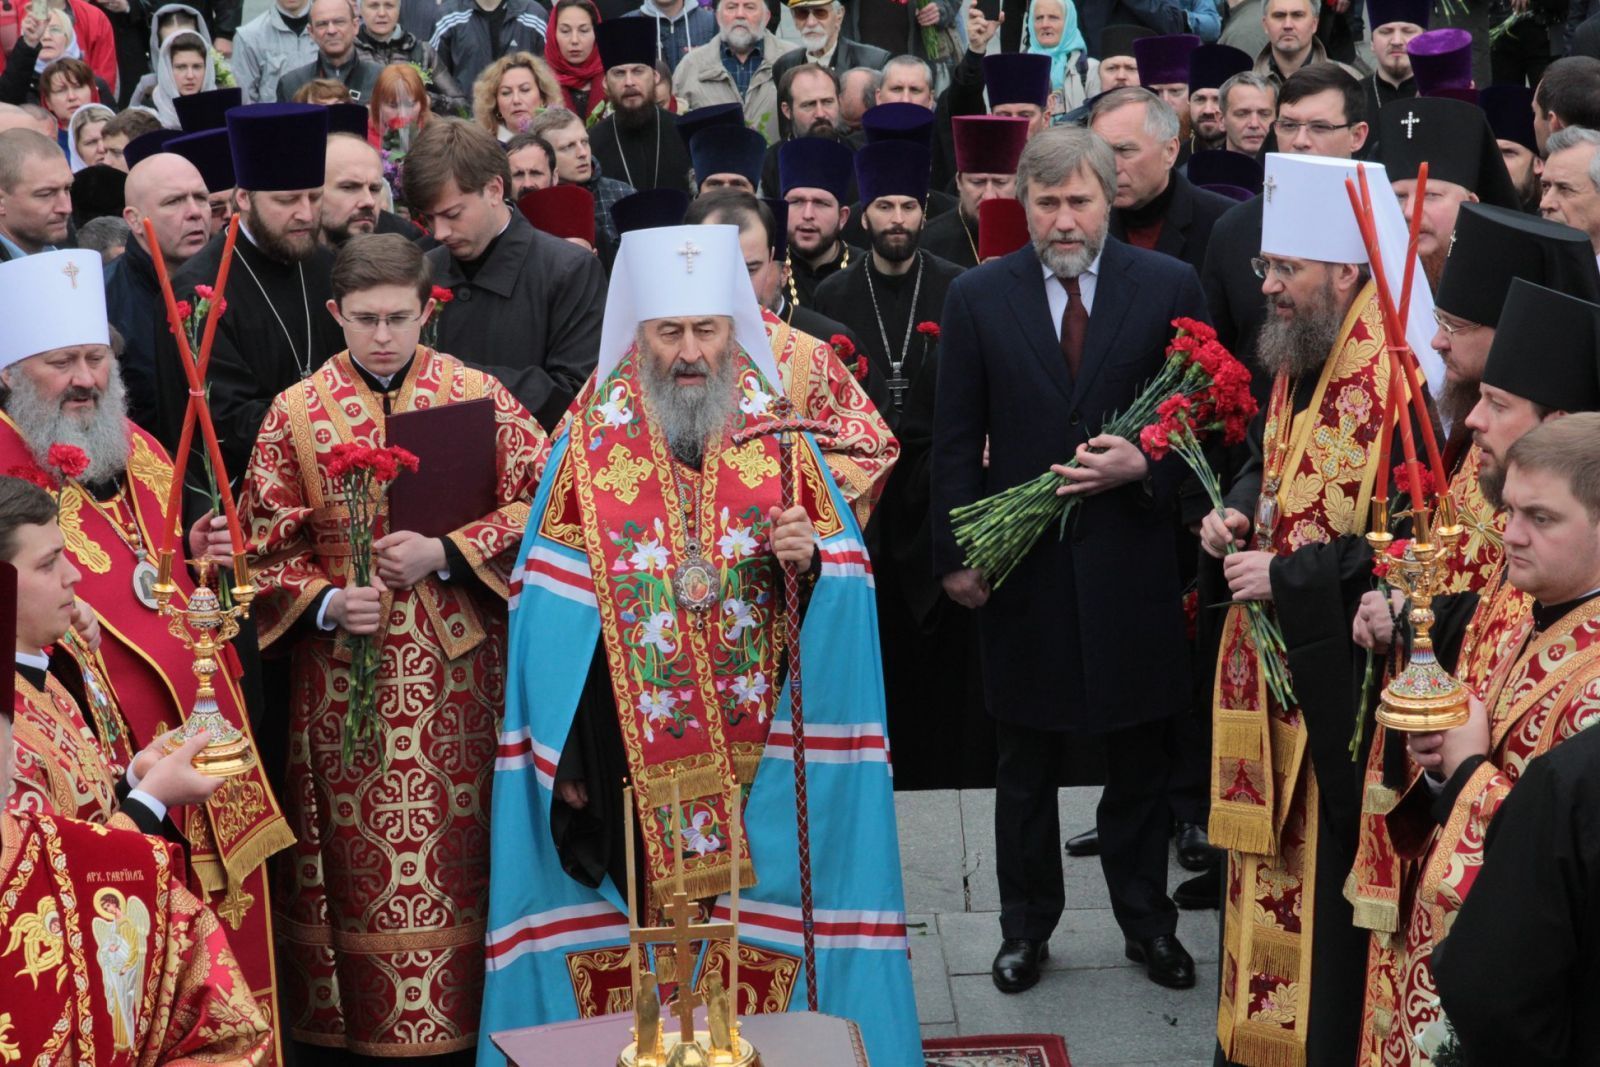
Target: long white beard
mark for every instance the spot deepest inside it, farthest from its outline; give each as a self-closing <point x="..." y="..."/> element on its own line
<point x="689" y="416"/>
<point x="102" y="433"/>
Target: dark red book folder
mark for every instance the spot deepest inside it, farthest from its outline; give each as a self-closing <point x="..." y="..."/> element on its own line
<point x="456" y="474"/>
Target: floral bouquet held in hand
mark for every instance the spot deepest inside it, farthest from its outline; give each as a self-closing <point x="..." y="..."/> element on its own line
<point x="430" y="330"/>
<point x="363" y="475"/>
<point x="997" y="532"/>
<point x="1227" y="406"/>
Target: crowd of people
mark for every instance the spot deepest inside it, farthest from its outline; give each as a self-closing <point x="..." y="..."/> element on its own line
<point x="578" y="368"/>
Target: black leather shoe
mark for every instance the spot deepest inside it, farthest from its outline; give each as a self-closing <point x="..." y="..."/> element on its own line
<point x="1194" y="848"/>
<point x="1085" y="844"/>
<point x="1165" y="960"/>
<point x="1203" y="892"/>
<point x="1016" y="965"/>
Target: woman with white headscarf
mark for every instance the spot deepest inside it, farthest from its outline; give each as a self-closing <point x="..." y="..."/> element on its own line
<point x="165" y="24"/>
<point x="84" y="146"/>
<point x="183" y="69"/>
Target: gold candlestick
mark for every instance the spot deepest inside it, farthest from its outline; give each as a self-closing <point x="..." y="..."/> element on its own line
<point x="1423" y="697"/>
<point x="204" y="626"/>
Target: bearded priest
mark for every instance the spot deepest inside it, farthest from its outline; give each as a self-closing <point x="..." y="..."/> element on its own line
<point x="1286" y="793"/>
<point x="647" y="642"/>
<point x="62" y="387"/>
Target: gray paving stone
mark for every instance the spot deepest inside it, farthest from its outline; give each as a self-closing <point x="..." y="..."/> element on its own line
<point x="931" y="849"/>
<point x="1108" y="1015"/>
<point x="930" y="975"/>
<point x="1084" y="939"/>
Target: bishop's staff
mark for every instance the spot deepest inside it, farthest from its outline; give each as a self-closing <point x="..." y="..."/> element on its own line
<point x="785" y="425"/>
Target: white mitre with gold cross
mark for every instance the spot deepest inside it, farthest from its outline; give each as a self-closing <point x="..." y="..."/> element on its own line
<point x="674" y="272"/>
<point x="1306" y="214"/>
<point x="51" y="300"/>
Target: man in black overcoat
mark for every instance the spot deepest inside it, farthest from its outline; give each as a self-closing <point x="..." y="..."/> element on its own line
<point x="1038" y="349"/>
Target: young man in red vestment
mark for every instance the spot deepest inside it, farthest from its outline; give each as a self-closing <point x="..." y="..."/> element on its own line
<point x="60" y="388"/>
<point x="163" y="986"/>
<point x="381" y="914"/>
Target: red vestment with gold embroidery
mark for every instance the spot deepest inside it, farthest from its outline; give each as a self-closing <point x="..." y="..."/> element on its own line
<point x="106" y="959"/>
<point x="381" y="913"/>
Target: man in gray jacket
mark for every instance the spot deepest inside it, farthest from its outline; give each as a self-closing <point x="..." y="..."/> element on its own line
<point x="527" y="307"/>
<point x="333" y="28"/>
<point x="270" y="45"/>
<point x="735" y="67"/>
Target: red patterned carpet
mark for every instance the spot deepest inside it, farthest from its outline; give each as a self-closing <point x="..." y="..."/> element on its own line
<point x="997" y="1050"/>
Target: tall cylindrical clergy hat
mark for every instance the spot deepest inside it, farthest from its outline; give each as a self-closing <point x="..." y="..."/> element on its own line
<point x="1164" y="60"/>
<point x="1546" y="349"/>
<point x="560" y="211"/>
<point x="1441" y="59"/>
<point x="816" y="163"/>
<point x="724" y="149"/>
<point x="1017" y="78"/>
<point x="261" y="136"/>
<point x="692" y="122"/>
<point x="1510" y="112"/>
<point x="649" y="209"/>
<point x="208" y="110"/>
<point x="146" y="145"/>
<point x="1118" y="40"/>
<point x="892" y="168"/>
<point x="1453" y="138"/>
<point x="1218" y="166"/>
<point x="677" y="272"/>
<point x="988" y="144"/>
<point x="211" y="155"/>
<point x="1212" y="64"/>
<point x="1002" y="227"/>
<point x="1383" y="12"/>
<point x="626" y="42"/>
<point x="1493" y="245"/>
<point x="52" y="300"/>
<point x="898" y="121"/>
<point x="348" y="118"/>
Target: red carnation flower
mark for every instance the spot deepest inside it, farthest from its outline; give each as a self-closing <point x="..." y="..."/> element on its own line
<point x="404" y="457"/>
<point x="1196" y="329"/>
<point x="397" y="123"/>
<point x="70" y="460"/>
<point x="1153" y="439"/>
<point x="861" y="369"/>
<point x="842" y="346"/>
<point x="929" y="329"/>
<point x="442" y="295"/>
<point x="1403" y="479"/>
<point x="204" y="292"/>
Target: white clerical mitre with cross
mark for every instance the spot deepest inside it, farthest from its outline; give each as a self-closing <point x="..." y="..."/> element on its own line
<point x="674" y="272"/>
<point x="51" y="300"/>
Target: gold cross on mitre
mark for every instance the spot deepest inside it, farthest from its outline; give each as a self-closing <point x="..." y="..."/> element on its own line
<point x="71" y="271"/>
<point x="688" y="252"/>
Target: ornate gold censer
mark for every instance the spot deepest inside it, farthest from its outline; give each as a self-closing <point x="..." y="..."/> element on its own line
<point x="1424" y="697"/>
<point x="204" y="626"/>
<point x="719" y="1045"/>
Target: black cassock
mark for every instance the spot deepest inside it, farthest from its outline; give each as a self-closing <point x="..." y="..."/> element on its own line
<point x="652" y="156"/>
<point x="934" y="699"/>
<point x="952" y="237"/>
<point x="1519" y="975"/>
<point x="276" y="330"/>
<point x="804" y="278"/>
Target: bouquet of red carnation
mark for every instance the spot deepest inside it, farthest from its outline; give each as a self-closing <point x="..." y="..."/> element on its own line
<point x="363" y="475"/>
<point x="430" y="333"/>
<point x="997" y="532"/>
<point x="1227" y="407"/>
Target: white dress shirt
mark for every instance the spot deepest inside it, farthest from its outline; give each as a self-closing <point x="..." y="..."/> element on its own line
<point x="1056" y="293"/>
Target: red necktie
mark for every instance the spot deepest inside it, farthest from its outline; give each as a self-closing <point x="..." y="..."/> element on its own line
<point x="1074" y="324"/>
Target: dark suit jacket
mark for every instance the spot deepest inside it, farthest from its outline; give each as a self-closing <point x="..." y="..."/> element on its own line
<point x="1191" y="213"/>
<point x="360" y="77"/>
<point x="1233" y="292"/>
<point x="1087" y="634"/>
